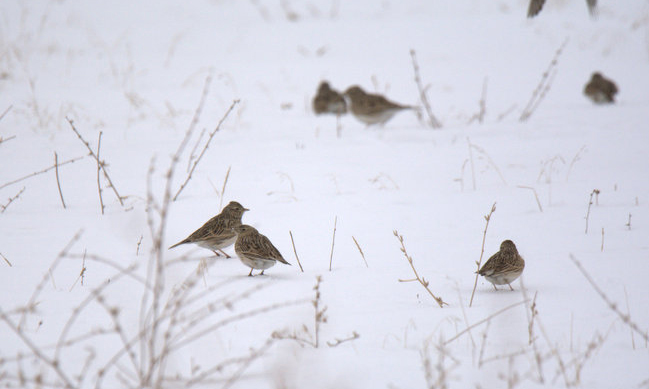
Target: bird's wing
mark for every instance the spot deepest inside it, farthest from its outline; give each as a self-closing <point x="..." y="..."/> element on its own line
<point x="534" y="8"/>
<point x="260" y="247"/>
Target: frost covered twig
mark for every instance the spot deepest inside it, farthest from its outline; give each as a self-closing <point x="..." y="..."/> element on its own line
<point x="417" y="278"/>
<point x="432" y="120"/>
<point x="479" y="262"/>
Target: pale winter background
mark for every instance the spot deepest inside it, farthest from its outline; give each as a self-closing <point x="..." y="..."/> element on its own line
<point x="96" y="300"/>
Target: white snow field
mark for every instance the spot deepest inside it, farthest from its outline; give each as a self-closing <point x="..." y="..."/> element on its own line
<point x="96" y="300"/>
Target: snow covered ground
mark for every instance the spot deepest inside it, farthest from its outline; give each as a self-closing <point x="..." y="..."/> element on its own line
<point x="135" y="72"/>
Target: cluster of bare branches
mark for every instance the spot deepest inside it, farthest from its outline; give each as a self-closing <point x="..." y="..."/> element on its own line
<point x="422" y="281"/>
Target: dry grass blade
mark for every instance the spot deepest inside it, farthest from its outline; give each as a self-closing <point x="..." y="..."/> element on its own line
<point x="486" y="319"/>
<point x="536" y="196"/>
<point x="417" y="278"/>
<point x="58" y="182"/>
<point x="295" y="252"/>
<point x="3" y="207"/>
<point x="333" y="241"/>
<point x="432" y="120"/>
<point x="225" y="182"/>
<point x="207" y="144"/>
<point x="101" y="199"/>
<point x="100" y="163"/>
<point x="479" y="262"/>
<point x="6" y="260"/>
<point x="360" y="251"/>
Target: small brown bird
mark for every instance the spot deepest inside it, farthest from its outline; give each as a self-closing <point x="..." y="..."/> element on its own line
<point x="255" y="250"/>
<point x="328" y="100"/>
<point x="600" y="89"/>
<point x="371" y="108"/>
<point x="503" y="267"/>
<point x="535" y="7"/>
<point x="216" y="233"/>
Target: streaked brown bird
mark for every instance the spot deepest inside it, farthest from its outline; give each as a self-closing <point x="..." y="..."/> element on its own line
<point x="372" y="108"/>
<point x="328" y="100"/>
<point x="255" y="250"/>
<point x="503" y="267"/>
<point x="600" y="89"/>
<point x="217" y="233"/>
<point x="535" y="7"/>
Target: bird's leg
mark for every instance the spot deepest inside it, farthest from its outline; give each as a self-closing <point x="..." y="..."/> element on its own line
<point x="224" y="253"/>
<point x="494" y="286"/>
<point x="250" y="274"/>
<point x="216" y="253"/>
<point x="262" y="273"/>
<point x="510" y="287"/>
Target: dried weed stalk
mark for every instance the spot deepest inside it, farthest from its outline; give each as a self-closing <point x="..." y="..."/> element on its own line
<point x="422" y="281"/>
<point x="333" y="241"/>
<point x="536" y="196"/>
<point x="544" y="85"/>
<point x="3" y="207"/>
<point x="479" y="261"/>
<point x="6" y="260"/>
<point x="295" y="251"/>
<point x="360" y="251"/>
<point x="432" y="120"/>
<point x="40" y="172"/>
<point x="479" y="116"/>
<point x="58" y="182"/>
<point x="590" y="203"/>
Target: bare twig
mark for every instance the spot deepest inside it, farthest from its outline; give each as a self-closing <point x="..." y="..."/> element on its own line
<point x="590" y="203"/>
<point x="574" y="160"/>
<point x="101" y="199"/>
<point x="602" y="247"/>
<point x="100" y="163"/>
<point x="417" y="278"/>
<point x="544" y="85"/>
<point x="486" y="319"/>
<point x="207" y="144"/>
<point x="337" y="341"/>
<point x="6" y="111"/>
<point x="225" y="182"/>
<point x="40" y="172"/>
<point x="139" y="242"/>
<point x="6" y="260"/>
<point x="333" y="241"/>
<point x="432" y="120"/>
<point x="58" y="182"/>
<point x="11" y="200"/>
<point x="628" y="224"/>
<point x="82" y="273"/>
<point x="360" y="251"/>
<point x="192" y="155"/>
<point x="626" y="318"/>
<point x="536" y="196"/>
<point x="479" y="262"/>
<point x="295" y="251"/>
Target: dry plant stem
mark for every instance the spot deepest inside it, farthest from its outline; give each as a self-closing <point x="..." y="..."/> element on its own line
<point x="336" y="342"/>
<point x="101" y="199"/>
<point x="417" y="278"/>
<point x="479" y="262"/>
<point x="6" y="260"/>
<point x="253" y="356"/>
<point x="628" y="224"/>
<point x="6" y="111"/>
<point x="432" y="120"/>
<point x="100" y="163"/>
<point x="590" y="203"/>
<point x="139" y="242"/>
<point x="602" y="247"/>
<point x="225" y="182"/>
<point x="295" y="251"/>
<point x="628" y="313"/>
<point x="360" y="251"/>
<point x="333" y="241"/>
<point x="11" y="200"/>
<point x="626" y="318"/>
<point x="479" y="116"/>
<point x="486" y="319"/>
<point x="544" y="85"/>
<point x="483" y="344"/>
<point x="192" y="155"/>
<point x="207" y="144"/>
<point x="536" y="196"/>
<point x="40" y="172"/>
<point x="83" y="272"/>
<point x="532" y="313"/>
<point x="58" y="182"/>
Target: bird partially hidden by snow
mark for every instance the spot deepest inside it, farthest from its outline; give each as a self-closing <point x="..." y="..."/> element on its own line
<point x="372" y="108"/>
<point x="600" y="89"/>
<point x="503" y="267"/>
<point x="328" y="101"/>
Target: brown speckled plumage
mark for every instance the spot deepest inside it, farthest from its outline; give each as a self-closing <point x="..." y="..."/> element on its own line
<point x="600" y="89"/>
<point x="255" y="250"/>
<point x="372" y="108"/>
<point x="328" y="100"/>
<point x="503" y="267"/>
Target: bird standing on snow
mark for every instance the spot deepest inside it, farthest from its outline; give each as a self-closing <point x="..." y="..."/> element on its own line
<point x="255" y="250"/>
<point x="216" y="233"/>
<point x="328" y="100"/>
<point x="371" y="108"/>
<point x="503" y="267"/>
<point x="600" y="89"/>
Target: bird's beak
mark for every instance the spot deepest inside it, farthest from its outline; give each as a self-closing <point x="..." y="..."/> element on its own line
<point x="245" y="209"/>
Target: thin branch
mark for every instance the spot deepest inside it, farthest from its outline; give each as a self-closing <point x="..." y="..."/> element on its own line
<point x="101" y="164"/>
<point x="590" y="203"/>
<point x="225" y="182"/>
<point x="486" y="319"/>
<point x="421" y="280"/>
<point x="536" y="196"/>
<point x="11" y="200"/>
<point x="139" y="242"/>
<point x="207" y="143"/>
<point x="626" y="318"/>
<point x="333" y="241"/>
<point x="432" y="120"/>
<point x="101" y="199"/>
<point x="295" y="251"/>
<point x="40" y="172"/>
<point x="479" y="262"/>
<point x="337" y="341"/>
<point x="6" y="111"/>
<point x="82" y="273"/>
<point x="6" y="260"/>
<point x="360" y="251"/>
<point x="58" y="182"/>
